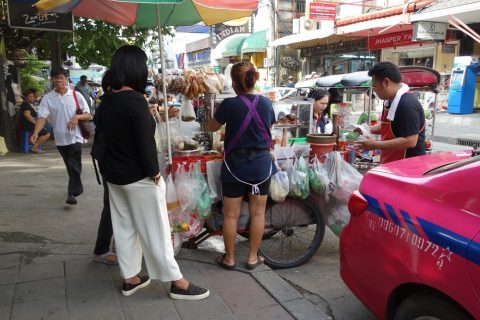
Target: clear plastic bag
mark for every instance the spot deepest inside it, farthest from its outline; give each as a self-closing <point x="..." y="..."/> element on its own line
<point x="187" y="189"/>
<point x="338" y="217"/>
<point x="279" y="186"/>
<point x="318" y="177"/>
<point x="343" y="177"/>
<point x="298" y="181"/>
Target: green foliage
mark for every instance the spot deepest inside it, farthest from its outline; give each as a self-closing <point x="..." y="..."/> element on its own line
<point x="96" y="41"/>
<point x="29" y="74"/>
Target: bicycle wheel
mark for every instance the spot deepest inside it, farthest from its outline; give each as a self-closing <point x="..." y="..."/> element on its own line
<point x="296" y="229"/>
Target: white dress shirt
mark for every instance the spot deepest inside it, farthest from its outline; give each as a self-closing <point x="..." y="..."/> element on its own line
<point x="59" y="109"/>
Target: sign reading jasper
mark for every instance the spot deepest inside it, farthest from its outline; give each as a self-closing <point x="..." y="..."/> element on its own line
<point x="390" y="40"/>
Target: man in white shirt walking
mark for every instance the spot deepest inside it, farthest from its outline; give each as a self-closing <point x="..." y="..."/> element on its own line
<point x="60" y="106"/>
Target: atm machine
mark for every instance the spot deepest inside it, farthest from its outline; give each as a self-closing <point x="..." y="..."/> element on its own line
<point x="462" y="85"/>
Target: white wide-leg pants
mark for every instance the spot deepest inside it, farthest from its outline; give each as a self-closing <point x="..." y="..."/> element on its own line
<point x="140" y="222"/>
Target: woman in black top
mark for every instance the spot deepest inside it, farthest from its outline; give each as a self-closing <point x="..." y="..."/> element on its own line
<point x="27" y="119"/>
<point x="247" y="166"/>
<point x="137" y="191"/>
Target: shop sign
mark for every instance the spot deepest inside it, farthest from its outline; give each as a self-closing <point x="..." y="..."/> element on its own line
<point x="323" y="11"/>
<point x="22" y="15"/>
<point x="332" y="48"/>
<point x="429" y="31"/>
<point x="222" y="31"/>
<point x="396" y="39"/>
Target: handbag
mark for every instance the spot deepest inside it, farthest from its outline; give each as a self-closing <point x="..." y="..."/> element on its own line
<point x="83" y="125"/>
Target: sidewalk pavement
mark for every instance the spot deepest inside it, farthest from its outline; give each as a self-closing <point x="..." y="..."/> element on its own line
<point x="47" y="272"/>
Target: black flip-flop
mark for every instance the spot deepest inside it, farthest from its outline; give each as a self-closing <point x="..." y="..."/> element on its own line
<point x="220" y="261"/>
<point x="252" y="266"/>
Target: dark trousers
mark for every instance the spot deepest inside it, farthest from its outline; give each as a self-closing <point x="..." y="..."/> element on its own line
<point x="72" y="157"/>
<point x="105" y="230"/>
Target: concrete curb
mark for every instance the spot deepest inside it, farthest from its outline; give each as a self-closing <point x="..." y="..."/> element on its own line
<point x="290" y="299"/>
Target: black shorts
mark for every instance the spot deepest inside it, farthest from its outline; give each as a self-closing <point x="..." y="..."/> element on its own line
<point x="43" y="132"/>
<point x="238" y="189"/>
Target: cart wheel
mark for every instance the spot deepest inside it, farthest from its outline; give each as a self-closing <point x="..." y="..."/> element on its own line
<point x="296" y="229"/>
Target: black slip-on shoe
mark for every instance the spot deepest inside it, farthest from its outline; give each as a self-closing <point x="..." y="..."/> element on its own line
<point x="192" y="293"/>
<point x="128" y="289"/>
<point x="71" y="200"/>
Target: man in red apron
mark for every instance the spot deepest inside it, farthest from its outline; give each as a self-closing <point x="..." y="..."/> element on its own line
<point x="402" y="127"/>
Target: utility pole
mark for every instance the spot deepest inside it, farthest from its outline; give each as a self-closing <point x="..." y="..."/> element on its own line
<point x="56" y="50"/>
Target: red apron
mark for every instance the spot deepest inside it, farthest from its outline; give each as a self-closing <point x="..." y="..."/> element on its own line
<point x="386" y="133"/>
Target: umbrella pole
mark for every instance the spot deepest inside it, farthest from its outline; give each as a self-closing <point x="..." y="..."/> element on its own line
<point x="164" y="85"/>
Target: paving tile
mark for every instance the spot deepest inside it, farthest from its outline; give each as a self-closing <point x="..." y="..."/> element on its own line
<point x="277" y="287"/>
<point x="10" y="260"/>
<point x="90" y="294"/>
<point x="242" y="298"/>
<point x="212" y="308"/>
<point x="90" y="304"/>
<point x="84" y="266"/>
<point x="98" y="314"/>
<point x="38" y="290"/>
<point x="8" y="276"/>
<point x="40" y="271"/>
<point x="54" y="308"/>
<point x="6" y="294"/>
<point x="152" y="294"/>
<point x="221" y="279"/>
<point x="5" y="312"/>
<point x="162" y="309"/>
<point x="273" y="312"/>
<point x="303" y="309"/>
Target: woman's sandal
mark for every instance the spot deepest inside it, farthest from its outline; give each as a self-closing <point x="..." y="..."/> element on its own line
<point x="106" y="258"/>
<point x="252" y="266"/>
<point x="221" y="262"/>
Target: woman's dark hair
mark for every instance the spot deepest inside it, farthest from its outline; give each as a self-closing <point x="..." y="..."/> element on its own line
<point x="319" y="94"/>
<point x="129" y="68"/>
<point x="244" y="75"/>
<point x="384" y="70"/>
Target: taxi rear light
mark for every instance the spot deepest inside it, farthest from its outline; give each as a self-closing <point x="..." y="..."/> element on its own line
<point x="357" y="204"/>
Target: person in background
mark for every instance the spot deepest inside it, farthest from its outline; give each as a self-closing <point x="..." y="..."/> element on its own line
<point x="102" y="251"/>
<point x="402" y="126"/>
<point x="247" y="166"/>
<point x="28" y="117"/>
<point x="136" y="188"/>
<point x="86" y="91"/>
<point x="321" y="109"/>
<point x="290" y="83"/>
<point x="60" y="105"/>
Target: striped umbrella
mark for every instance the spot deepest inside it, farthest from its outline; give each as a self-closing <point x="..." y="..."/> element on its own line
<point x="154" y="13"/>
<point x="142" y="14"/>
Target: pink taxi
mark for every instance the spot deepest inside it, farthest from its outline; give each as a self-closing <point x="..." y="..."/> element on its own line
<point x="412" y="247"/>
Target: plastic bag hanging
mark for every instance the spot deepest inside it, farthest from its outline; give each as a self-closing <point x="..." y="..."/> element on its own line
<point x="204" y="200"/>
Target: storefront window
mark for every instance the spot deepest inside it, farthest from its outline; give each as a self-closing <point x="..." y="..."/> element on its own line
<point x="410" y="56"/>
<point x="342" y="63"/>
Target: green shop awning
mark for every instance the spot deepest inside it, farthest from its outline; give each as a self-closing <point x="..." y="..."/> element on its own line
<point x="256" y="42"/>
<point x="233" y="47"/>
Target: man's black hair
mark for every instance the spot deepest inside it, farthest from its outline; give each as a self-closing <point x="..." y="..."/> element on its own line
<point x="129" y="68"/>
<point x="28" y="91"/>
<point x="58" y="71"/>
<point x="83" y="77"/>
<point x="106" y="82"/>
<point x="384" y="70"/>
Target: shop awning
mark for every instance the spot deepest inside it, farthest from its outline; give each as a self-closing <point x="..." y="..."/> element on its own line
<point x="466" y="10"/>
<point x="309" y="39"/>
<point x="372" y="27"/>
<point x="256" y="42"/>
<point x="233" y="47"/>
